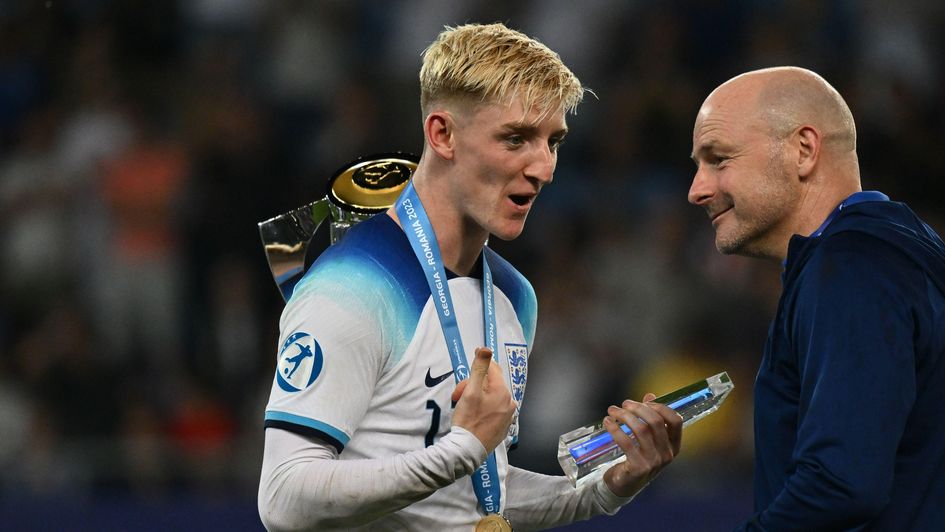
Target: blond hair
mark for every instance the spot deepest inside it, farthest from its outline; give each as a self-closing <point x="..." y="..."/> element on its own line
<point x="493" y="64"/>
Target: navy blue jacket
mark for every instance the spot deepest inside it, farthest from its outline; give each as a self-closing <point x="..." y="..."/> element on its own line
<point x="850" y="395"/>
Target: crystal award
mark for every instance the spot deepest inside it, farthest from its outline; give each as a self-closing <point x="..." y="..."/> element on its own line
<point x="587" y="449"/>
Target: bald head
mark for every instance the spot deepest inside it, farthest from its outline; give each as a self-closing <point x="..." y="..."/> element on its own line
<point x="786" y="98"/>
<point x="776" y="152"/>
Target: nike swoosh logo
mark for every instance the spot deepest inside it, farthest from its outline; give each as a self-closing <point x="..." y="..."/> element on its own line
<point x="433" y="381"/>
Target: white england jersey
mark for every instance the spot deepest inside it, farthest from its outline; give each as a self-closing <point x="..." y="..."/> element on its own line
<point x="363" y="363"/>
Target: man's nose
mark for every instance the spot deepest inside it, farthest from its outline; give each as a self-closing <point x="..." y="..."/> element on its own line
<point x="542" y="167"/>
<point x="702" y="189"/>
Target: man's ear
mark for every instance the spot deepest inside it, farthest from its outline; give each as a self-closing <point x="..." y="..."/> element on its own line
<point x="810" y="143"/>
<point x="439" y="128"/>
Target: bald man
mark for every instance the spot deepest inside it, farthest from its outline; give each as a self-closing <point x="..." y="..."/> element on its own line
<point x="849" y="398"/>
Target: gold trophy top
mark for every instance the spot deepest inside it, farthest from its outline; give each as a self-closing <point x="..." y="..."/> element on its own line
<point x="369" y="186"/>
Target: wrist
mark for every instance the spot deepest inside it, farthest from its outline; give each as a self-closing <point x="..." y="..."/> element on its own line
<point x="472" y="451"/>
<point x="619" y="486"/>
<point x="612" y="499"/>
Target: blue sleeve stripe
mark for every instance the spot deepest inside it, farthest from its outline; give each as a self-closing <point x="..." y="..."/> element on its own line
<point x="318" y="426"/>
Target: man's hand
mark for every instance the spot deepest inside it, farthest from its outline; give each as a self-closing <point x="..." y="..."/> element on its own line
<point x="485" y="406"/>
<point x="657" y="436"/>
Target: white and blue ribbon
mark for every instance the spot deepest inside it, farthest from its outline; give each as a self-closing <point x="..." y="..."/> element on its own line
<point x="413" y="218"/>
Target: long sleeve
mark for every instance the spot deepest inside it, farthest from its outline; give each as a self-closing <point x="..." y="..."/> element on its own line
<point x="538" y="501"/>
<point x="304" y="486"/>
<point x="851" y="329"/>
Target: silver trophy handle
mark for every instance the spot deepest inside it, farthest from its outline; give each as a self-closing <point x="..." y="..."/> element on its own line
<point x="360" y="189"/>
<point x="285" y="240"/>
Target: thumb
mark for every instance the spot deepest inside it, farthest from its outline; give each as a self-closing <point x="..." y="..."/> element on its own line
<point x="477" y="373"/>
<point x="480" y="366"/>
<point x="649" y="397"/>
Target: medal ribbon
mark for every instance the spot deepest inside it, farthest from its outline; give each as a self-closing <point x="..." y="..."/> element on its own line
<point x="413" y="218"/>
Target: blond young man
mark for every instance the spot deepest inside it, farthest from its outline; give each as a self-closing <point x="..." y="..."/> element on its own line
<point x="368" y="434"/>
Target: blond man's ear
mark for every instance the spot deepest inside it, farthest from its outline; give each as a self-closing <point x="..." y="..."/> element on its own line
<point x="439" y="128"/>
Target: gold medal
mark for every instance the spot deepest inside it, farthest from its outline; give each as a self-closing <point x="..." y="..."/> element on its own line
<point x="493" y="523"/>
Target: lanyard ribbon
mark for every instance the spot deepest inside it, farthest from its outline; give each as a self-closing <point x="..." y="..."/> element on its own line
<point x="413" y="218"/>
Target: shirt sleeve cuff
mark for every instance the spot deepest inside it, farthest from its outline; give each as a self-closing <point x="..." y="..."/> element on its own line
<point x="610" y="502"/>
<point x="470" y="451"/>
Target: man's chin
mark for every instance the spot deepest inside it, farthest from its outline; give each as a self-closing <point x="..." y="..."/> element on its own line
<point x="730" y="246"/>
<point x="507" y="236"/>
<point x="509" y="233"/>
<point x="727" y="250"/>
<point x="742" y="249"/>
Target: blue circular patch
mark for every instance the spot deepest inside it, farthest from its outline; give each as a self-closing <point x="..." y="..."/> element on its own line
<point x="300" y="362"/>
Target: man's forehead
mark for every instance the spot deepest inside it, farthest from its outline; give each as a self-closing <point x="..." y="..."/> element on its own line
<point x="740" y="93"/>
<point x="539" y="120"/>
<point x="710" y="122"/>
<point x="727" y="111"/>
<point x="514" y="115"/>
<point x="726" y="131"/>
<point x="705" y="112"/>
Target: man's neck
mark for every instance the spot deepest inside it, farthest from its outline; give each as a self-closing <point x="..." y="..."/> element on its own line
<point x="815" y="208"/>
<point x="460" y="241"/>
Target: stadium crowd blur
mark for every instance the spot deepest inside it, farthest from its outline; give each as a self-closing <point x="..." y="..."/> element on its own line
<point x="141" y="142"/>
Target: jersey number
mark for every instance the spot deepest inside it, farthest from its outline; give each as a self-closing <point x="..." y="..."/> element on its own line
<point x="434" y="423"/>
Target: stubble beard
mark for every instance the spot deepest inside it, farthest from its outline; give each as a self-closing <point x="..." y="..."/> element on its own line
<point x="749" y="236"/>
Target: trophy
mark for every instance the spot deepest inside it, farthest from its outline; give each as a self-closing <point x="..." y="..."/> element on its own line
<point x="587" y="449"/>
<point x="360" y="189"/>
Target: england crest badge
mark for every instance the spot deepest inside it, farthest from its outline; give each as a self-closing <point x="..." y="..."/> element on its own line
<point x="518" y="369"/>
<point x="517" y="356"/>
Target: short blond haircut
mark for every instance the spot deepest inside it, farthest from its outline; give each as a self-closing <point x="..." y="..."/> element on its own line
<point x="492" y="64"/>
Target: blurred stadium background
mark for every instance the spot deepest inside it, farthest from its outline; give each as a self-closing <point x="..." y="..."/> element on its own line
<point x="141" y="142"/>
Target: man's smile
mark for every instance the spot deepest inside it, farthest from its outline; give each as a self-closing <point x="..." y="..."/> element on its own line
<point x="715" y="217"/>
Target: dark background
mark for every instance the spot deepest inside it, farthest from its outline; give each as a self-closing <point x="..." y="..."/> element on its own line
<point x="141" y="142"/>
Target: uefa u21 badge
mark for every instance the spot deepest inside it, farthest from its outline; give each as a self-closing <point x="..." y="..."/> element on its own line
<point x="358" y="190"/>
<point x="300" y="362"/>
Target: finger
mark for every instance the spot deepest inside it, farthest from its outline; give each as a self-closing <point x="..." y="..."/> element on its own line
<point x="480" y="366"/>
<point x="649" y="397"/>
<point x="458" y="391"/>
<point x="648" y="427"/>
<point x="644" y="412"/>
<point x="673" y="422"/>
<point x="613" y="422"/>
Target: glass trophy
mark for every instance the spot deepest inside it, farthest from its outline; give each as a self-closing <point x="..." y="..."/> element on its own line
<point x="357" y="191"/>
<point x="587" y="449"/>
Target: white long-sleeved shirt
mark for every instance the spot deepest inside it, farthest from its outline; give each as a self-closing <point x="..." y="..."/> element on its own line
<point x="359" y="421"/>
<point x="305" y="486"/>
